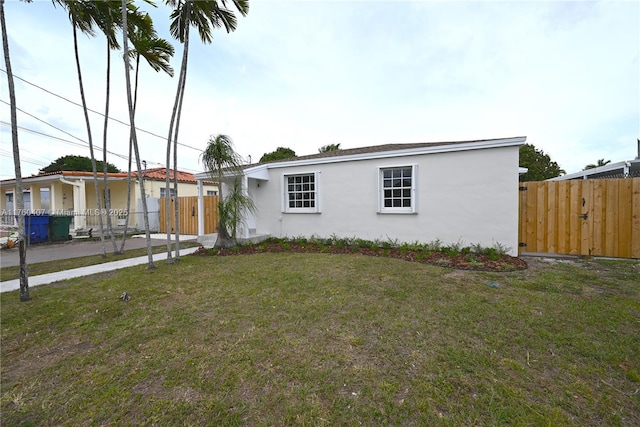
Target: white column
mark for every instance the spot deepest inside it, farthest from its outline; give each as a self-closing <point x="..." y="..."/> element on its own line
<point x="200" y="209"/>
<point x="53" y="206"/>
<point x="80" y="204"/>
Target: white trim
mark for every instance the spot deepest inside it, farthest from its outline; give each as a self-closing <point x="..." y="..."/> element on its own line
<point x="260" y="171"/>
<point x="444" y="148"/>
<point x="285" y="196"/>
<point x="414" y="192"/>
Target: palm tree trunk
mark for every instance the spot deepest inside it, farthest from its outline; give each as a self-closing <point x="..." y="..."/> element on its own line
<point x="90" y="139"/>
<point x="134" y="137"/>
<point x="19" y="198"/>
<point x="181" y="85"/>
<point x="107" y="194"/>
<point x="135" y="102"/>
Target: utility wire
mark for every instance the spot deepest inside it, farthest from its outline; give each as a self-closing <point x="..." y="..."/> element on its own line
<point x="83" y="145"/>
<point x="97" y="112"/>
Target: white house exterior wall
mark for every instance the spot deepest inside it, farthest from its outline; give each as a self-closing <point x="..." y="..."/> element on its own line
<point x="467" y="196"/>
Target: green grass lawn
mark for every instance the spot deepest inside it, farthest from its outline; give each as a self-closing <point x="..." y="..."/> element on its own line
<point x="321" y="339"/>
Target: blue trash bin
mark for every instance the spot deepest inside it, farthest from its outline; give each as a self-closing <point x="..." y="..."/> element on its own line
<point x="36" y="226"/>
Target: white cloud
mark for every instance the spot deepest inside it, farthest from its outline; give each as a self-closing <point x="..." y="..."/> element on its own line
<point x="304" y="74"/>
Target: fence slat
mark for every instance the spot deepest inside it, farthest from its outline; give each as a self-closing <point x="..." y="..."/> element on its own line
<point x="188" y="212"/>
<point x="635" y="219"/>
<point x="581" y="217"/>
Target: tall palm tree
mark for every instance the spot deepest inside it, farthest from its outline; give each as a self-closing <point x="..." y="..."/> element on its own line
<point x="157" y="52"/>
<point x="225" y="166"/>
<point x="204" y="15"/>
<point x="109" y="18"/>
<point x="83" y="15"/>
<point x="133" y="134"/>
<point x="19" y="197"/>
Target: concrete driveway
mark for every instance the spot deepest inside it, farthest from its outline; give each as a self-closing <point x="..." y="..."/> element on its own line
<point x="76" y="248"/>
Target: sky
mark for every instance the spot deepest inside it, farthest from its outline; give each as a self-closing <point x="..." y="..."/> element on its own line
<point x="303" y="74"/>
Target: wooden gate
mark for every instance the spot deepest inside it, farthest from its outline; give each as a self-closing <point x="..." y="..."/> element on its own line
<point x="599" y="217"/>
<point x="188" y="211"/>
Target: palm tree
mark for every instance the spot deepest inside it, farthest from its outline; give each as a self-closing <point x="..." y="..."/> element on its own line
<point x="133" y="134"/>
<point x="19" y="197"/>
<point x="157" y="52"/>
<point x="109" y="19"/>
<point x="601" y="162"/>
<point x="329" y="147"/>
<point x="205" y="15"/>
<point x="224" y="164"/>
<point x="83" y="15"/>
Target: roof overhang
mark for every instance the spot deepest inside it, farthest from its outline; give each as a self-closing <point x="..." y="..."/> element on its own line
<point x="260" y="171"/>
<point x="434" y="149"/>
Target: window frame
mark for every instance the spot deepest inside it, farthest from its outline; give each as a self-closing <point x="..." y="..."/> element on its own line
<point x="285" y="193"/>
<point x="172" y="192"/>
<point x="413" y="209"/>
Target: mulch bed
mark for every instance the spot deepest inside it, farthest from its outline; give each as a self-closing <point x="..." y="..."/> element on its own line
<point x="460" y="261"/>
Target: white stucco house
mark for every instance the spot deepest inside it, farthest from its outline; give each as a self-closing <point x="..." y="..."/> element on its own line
<point x="464" y="191"/>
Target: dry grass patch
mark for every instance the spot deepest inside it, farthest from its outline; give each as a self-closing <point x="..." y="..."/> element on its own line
<point x="289" y="339"/>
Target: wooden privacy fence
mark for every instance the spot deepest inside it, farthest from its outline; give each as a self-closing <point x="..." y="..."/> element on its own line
<point x="188" y="211"/>
<point x="599" y="217"/>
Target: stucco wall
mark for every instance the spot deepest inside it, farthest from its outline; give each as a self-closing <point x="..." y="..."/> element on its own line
<point x="467" y="196"/>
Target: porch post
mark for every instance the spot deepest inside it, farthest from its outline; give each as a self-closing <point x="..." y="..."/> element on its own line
<point x="80" y="204"/>
<point x="200" y="208"/>
<point x="53" y="206"/>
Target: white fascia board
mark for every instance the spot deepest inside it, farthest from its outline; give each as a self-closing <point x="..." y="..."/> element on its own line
<point x="31" y="180"/>
<point x="522" y="171"/>
<point x="202" y="176"/>
<point x="258" y="172"/>
<point x="206" y="176"/>
<point x="475" y="145"/>
<point x="55" y="178"/>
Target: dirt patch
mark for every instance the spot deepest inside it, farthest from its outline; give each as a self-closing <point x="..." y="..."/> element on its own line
<point x="459" y="261"/>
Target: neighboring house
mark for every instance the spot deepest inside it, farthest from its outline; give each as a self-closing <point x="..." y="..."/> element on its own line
<point x="624" y="169"/>
<point x="73" y="193"/>
<point x="463" y="191"/>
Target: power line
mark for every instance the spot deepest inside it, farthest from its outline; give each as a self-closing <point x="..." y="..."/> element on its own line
<point x="83" y="145"/>
<point x="97" y="112"/>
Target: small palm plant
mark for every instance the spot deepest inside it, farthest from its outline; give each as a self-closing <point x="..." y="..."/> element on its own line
<point x="225" y="166"/>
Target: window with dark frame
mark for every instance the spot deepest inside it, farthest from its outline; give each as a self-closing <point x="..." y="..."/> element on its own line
<point x="397" y="187"/>
<point x="301" y="191"/>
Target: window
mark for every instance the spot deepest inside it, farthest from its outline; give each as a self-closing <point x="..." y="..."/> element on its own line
<point x="397" y="189"/>
<point x="163" y="192"/>
<point x="301" y="193"/>
<point x="212" y="193"/>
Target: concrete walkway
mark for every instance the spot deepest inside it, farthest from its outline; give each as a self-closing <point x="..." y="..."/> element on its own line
<point x="84" y="248"/>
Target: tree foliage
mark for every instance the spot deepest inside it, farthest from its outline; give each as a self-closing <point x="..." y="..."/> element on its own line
<point x="539" y="165"/>
<point x="329" y="147"/>
<point x="76" y="163"/>
<point x="601" y="162"/>
<point x="280" y="153"/>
